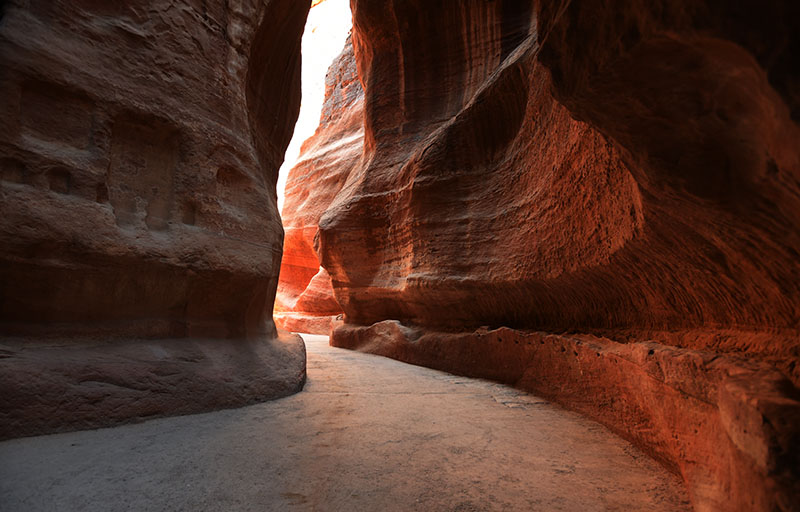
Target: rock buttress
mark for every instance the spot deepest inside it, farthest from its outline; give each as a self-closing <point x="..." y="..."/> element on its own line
<point x="140" y="236"/>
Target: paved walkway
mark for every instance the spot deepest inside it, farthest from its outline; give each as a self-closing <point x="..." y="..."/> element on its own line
<point x="368" y="433"/>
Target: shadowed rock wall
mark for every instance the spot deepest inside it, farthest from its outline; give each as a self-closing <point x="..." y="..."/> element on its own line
<point x="139" y="153"/>
<point x="623" y="178"/>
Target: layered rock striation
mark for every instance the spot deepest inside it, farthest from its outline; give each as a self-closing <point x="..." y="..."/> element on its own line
<point x="139" y="228"/>
<point x="596" y="203"/>
<point x="305" y="301"/>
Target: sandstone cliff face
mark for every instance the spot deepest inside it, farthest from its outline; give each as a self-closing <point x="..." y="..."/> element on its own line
<point x="464" y="206"/>
<point x="687" y="219"/>
<point x="139" y="152"/>
<point x="628" y="178"/>
<point x="305" y="301"/>
<point x="703" y="100"/>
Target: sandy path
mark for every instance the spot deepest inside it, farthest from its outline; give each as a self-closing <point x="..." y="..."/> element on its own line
<point x="367" y="433"/>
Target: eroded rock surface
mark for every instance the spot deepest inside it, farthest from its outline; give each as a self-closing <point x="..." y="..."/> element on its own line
<point x="139" y="152"/>
<point x="627" y="175"/>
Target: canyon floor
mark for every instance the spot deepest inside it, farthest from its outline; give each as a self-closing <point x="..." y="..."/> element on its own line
<point x="367" y="433"/>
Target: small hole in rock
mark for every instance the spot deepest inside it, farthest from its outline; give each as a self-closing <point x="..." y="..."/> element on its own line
<point x="59" y="180"/>
<point x="13" y="171"/>
<point x="101" y="193"/>
<point x="189" y="214"/>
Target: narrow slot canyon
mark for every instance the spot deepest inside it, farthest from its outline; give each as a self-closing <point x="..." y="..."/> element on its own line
<point x="409" y="255"/>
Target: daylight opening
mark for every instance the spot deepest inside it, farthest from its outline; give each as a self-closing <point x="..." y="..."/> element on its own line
<point x="329" y="22"/>
<point x="305" y="300"/>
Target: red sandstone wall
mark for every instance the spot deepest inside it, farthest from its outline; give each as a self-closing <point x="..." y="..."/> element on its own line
<point x="139" y="149"/>
<point x="466" y="195"/>
<point x="305" y="300"/>
<point x="703" y="99"/>
<point x="476" y="172"/>
<point x="625" y="174"/>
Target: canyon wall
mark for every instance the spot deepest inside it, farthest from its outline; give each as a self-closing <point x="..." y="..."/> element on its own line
<point x="305" y="301"/>
<point x="140" y="236"/>
<point x="596" y="203"/>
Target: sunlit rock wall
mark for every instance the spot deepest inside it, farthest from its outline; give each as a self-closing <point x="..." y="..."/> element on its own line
<point x="600" y="205"/>
<point x="305" y="301"/>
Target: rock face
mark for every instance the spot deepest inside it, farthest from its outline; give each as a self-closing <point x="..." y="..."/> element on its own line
<point x="305" y="301"/>
<point x="139" y="152"/>
<point x="626" y="178"/>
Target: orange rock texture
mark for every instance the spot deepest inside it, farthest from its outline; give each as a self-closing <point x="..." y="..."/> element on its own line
<point x="305" y="300"/>
<point x="139" y="149"/>
<point x="599" y="203"/>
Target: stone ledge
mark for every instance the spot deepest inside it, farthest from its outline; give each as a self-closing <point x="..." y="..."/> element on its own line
<point x="305" y="323"/>
<point x="48" y="388"/>
<point x="730" y="427"/>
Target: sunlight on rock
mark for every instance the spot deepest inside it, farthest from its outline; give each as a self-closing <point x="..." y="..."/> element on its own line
<point x="328" y="24"/>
